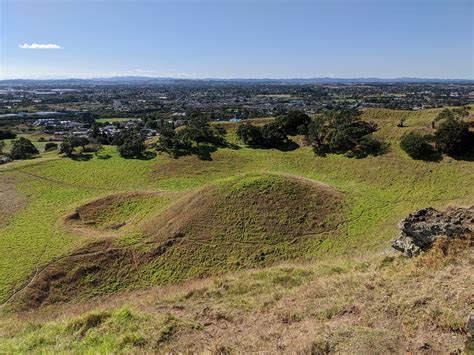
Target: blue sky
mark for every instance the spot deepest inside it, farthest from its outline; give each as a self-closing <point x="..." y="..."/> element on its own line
<point x="237" y="38"/>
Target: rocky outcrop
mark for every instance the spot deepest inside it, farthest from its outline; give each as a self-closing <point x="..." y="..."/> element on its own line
<point x="420" y="229"/>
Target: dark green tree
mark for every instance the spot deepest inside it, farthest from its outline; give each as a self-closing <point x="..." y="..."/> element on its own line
<point x="273" y="135"/>
<point x="23" y="149"/>
<point x="294" y="122"/>
<point x="66" y="148"/>
<point x="453" y="137"/>
<point x="50" y="146"/>
<point x="7" y="134"/>
<point x="250" y="134"/>
<point x="132" y="146"/>
<point x="417" y="145"/>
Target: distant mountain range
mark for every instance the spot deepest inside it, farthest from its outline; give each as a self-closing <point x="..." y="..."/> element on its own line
<point x="144" y="80"/>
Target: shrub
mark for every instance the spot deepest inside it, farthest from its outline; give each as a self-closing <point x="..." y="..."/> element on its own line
<point x="133" y="145"/>
<point x="416" y="145"/>
<point x="7" y="135"/>
<point x="250" y="134"/>
<point x="23" y="149"/>
<point x="66" y="148"/>
<point x="452" y="137"/>
<point x="294" y="122"/>
<point x="50" y="146"/>
<point x="343" y="132"/>
<point x="273" y="135"/>
<point x="369" y="145"/>
<point x="91" y="148"/>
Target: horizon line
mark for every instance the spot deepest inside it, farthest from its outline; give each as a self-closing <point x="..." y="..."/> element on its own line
<point x="233" y="78"/>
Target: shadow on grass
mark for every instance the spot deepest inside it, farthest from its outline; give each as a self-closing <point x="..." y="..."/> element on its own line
<point x="144" y="156"/>
<point x="286" y="147"/>
<point x="467" y="156"/>
<point x="103" y="156"/>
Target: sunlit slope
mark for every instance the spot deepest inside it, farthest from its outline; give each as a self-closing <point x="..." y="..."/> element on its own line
<point x="379" y="191"/>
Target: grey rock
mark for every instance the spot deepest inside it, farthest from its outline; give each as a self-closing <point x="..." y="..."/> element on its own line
<point x="420" y="229"/>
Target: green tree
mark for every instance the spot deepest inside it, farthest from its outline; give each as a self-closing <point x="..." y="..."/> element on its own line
<point x="342" y="131"/>
<point x="250" y="134"/>
<point x="7" y="134"/>
<point x="294" y="122"/>
<point x="417" y="145"/>
<point x="50" y="146"/>
<point x="133" y="145"/>
<point x="453" y="137"/>
<point x="23" y="149"/>
<point x="273" y="135"/>
<point x="66" y="148"/>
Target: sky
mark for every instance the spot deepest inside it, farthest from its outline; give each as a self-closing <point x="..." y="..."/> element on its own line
<point x="237" y="38"/>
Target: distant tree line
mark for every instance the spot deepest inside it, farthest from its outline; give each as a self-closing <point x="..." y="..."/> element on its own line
<point x="337" y="131"/>
<point x="198" y="136"/>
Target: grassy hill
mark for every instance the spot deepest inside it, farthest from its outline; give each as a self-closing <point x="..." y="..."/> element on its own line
<point x="192" y="198"/>
<point x="242" y="222"/>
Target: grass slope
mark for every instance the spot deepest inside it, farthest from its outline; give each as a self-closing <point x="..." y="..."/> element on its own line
<point x="242" y="222"/>
<point x="374" y="305"/>
<point x="379" y="191"/>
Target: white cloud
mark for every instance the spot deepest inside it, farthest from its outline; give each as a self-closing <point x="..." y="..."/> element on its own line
<point x="39" y="46"/>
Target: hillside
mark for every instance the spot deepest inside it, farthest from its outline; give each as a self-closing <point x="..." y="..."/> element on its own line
<point x="242" y="222"/>
<point x="174" y="239"/>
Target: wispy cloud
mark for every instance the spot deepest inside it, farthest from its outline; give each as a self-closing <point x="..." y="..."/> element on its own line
<point x="39" y="46"/>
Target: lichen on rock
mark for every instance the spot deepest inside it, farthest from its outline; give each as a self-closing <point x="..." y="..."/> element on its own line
<point x="420" y="229"/>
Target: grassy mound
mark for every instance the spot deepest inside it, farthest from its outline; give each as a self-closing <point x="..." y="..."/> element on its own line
<point x="114" y="211"/>
<point x="248" y="221"/>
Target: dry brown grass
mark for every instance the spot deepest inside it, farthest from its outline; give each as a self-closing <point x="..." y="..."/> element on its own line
<point x="11" y="200"/>
<point x="378" y="305"/>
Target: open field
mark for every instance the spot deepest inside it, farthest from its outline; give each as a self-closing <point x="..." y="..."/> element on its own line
<point x="34" y="138"/>
<point x="375" y="193"/>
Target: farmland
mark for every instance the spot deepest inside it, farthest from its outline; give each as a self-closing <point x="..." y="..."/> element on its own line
<point x="369" y="196"/>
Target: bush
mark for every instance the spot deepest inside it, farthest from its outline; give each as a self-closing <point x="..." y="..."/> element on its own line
<point x="7" y="135"/>
<point x="50" y="146"/>
<point x="343" y="132"/>
<point x="273" y="135"/>
<point x="417" y="145"/>
<point x="23" y="149"/>
<point x="295" y="122"/>
<point x="133" y="145"/>
<point x="91" y="148"/>
<point x="250" y="134"/>
<point x="69" y="143"/>
<point x="452" y="137"/>
<point x="66" y="148"/>
<point x="369" y="145"/>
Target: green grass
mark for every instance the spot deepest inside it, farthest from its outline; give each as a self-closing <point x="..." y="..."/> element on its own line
<point x="363" y="305"/>
<point x="380" y="191"/>
<point x="33" y="137"/>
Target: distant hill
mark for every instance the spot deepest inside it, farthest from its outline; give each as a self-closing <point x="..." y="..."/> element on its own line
<point x="141" y="80"/>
